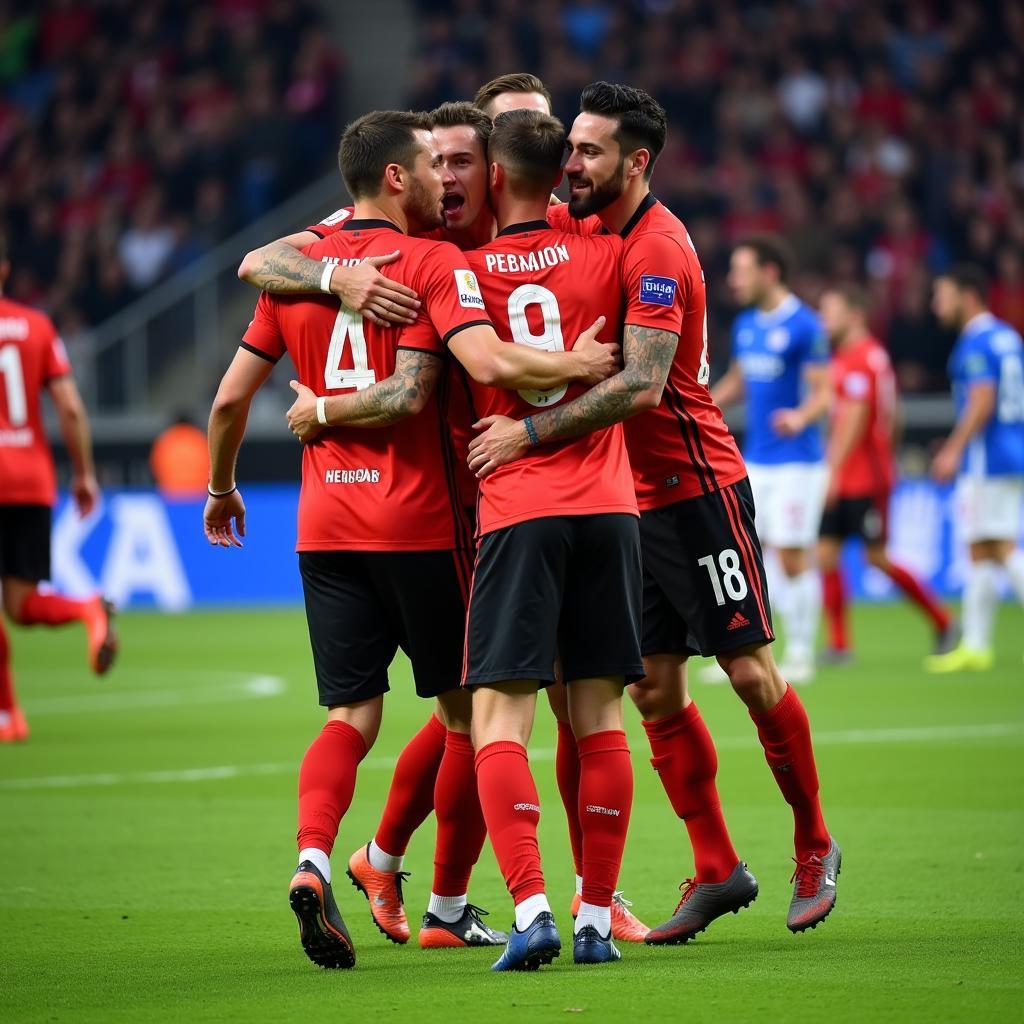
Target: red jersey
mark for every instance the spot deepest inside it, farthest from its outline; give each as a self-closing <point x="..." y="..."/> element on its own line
<point x="863" y="373"/>
<point x="682" y="448"/>
<point x="392" y="488"/>
<point x="31" y="355"/>
<point x="460" y="420"/>
<point x="544" y="288"/>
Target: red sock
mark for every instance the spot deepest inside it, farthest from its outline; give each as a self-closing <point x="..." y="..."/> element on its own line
<point x="327" y="780"/>
<point x="508" y="796"/>
<point x="7" y="700"/>
<point x="51" y="609"/>
<point x="605" y="800"/>
<point x="687" y="764"/>
<point x="785" y="734"/>
<point x="835" y="609"/>
<point x="920" y="595"/>
<point x="411" y="796"/>
<point x="567" y="772"/>
<point x="460" y="822"/>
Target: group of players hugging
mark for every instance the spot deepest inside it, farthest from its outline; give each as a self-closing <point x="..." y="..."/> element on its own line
<point x="514" y="470"/>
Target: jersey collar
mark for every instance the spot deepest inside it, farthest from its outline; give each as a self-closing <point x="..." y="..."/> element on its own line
<point x="978" y="322"/>
<point x="783" y="311"/>
<point x="369" y="225"/>
<point x="645" y="204"/>
<point x="526" y="225"/>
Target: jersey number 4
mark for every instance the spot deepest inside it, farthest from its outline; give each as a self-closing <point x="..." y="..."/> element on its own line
<point x="348" y="327"/>
<point x="14" y="385"/>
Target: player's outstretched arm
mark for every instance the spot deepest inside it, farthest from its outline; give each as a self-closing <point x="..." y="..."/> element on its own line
<point x="281" y="267"/>
<point x="980" y="407"/>
<point x="74" y="428"/>
<point x="815" y="405"/>
<point x="647" y="356"/>
<point x="492" y="362"/>
<point x="228" y="417"/>
<point x="397" y="397"/>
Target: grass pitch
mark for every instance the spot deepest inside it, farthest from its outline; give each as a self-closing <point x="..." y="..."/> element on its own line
<point x="146" y="844"/>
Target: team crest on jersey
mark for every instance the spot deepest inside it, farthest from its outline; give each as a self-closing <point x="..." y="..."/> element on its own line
<point x="469" y="290"/>
<point x="659" y="291"/>
<point x="776" y="340"/>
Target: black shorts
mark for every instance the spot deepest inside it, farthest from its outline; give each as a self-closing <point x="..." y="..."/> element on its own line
<point x="362" y="606"/>
<point x="566" y="586"/>
<point x="866" y="517"/>
<point x="25" y="541"/>
<point x="704" y="583"/>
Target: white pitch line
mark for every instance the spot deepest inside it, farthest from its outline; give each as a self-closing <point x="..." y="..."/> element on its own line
<point x="846" y="737"/>
<point x="255" y="687"/>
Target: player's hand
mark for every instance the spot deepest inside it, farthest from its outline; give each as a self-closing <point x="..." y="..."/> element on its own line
<point x="85" y="493"/>
<point x="946" y="463"/>
<point x="302" y="421"/>
<point x="217" y="517"/>
<point x="502" y="441"/>
<point x="788" y="422"/>
<point x="598" y="359"/>
<point x="366" y="290"/>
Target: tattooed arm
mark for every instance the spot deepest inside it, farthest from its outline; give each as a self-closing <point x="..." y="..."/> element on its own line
<point x="647" y="356"/>
<point x="281" y="267"/>
<point x="402" y="394"/>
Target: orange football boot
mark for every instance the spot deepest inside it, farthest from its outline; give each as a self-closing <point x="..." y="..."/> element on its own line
<point x="626" y="926"/>
<point x="14" y="729"/>
<point x="102" y="636"/>
<point x="384" y="891"/>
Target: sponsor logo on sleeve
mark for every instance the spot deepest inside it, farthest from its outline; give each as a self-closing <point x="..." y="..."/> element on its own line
<point x="468" y="289"/>
<point x="658" y="291"/>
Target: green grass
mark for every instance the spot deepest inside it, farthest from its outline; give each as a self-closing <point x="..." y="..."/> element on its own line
<point x="128" y="895"/>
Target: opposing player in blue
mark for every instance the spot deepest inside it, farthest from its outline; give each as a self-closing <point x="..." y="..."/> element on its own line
<point x="986" y="449"/>
<point x="780" y="365"/>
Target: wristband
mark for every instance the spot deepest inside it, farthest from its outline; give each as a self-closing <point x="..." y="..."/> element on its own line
<point x="531" y="431"/>
<point x="321" y="411"/>
<point x="221" y="494"/>
<point x="325" y="278"/>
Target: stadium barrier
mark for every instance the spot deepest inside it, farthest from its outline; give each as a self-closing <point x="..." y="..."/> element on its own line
<point x="143" y="550"/>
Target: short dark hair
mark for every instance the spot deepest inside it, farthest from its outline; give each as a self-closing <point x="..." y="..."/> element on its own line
<point x="530" y="146"/>
<point x="375" y="140"/>
<point x="968" y="277"/>
<point x="854" y="295"/>
<point x="771" y="250"/>
<point x="458" y="115"/>
<point x="643" y="123"/>
<point x="516" y="81"/>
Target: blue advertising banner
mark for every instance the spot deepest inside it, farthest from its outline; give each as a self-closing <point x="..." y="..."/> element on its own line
<point x="143" y="550"/>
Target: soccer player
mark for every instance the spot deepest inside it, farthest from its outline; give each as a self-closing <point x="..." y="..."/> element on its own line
<point x="381" y="537"/>
<point x="986" y="448"/>
<point x="33" y="360"/>
<point x="704" y="587"/>
<point x="558" y="568"/>
<point x="862" y="468"/>
<point x="780" y="365"/>
<point x="518" y="90"/>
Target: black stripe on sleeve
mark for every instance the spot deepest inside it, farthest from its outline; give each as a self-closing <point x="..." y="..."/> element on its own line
<point x="316" y="231"/>
<point x="257" y="351"/>
<point x="447" y="339"/>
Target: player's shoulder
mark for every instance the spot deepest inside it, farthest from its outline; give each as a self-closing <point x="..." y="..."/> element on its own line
<point x="1001" y="337"/>
<point x="22" y="323"/>
<point x="804" y="315"/>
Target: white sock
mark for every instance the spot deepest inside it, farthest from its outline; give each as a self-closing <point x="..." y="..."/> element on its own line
<point x="529" y="909"/>
<point x="319" y="860"/>
<point x="1014" y="567"/>
<point x="448" y="908"/>
<point x="383" y="861"/>
<point x="801" y="615"/>
<point x="980" y="595"/>
<point x="599" y="917"/>
<point x="579" y="885"/>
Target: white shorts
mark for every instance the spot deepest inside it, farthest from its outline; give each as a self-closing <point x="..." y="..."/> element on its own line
<point x="789" y="499"/>
<point x="989" y="508"/>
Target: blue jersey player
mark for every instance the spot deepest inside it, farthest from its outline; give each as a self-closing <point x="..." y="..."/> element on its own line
<point x="780" y="366"/>
<point x="986" y="449"/>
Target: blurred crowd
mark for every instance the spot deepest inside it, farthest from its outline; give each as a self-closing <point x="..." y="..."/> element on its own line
<point x="885" y="140"/>
<point x="135" y="136"/>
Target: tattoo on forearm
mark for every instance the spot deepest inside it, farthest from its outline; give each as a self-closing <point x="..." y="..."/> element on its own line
<point x="392" y="399"/>
<point x="647" y="356"/>
<point x="285" y="269"/>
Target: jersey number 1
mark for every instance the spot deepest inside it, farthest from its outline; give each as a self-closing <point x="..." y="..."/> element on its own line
<point x="14" y="381"/>
<point x="348" y="326"/>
